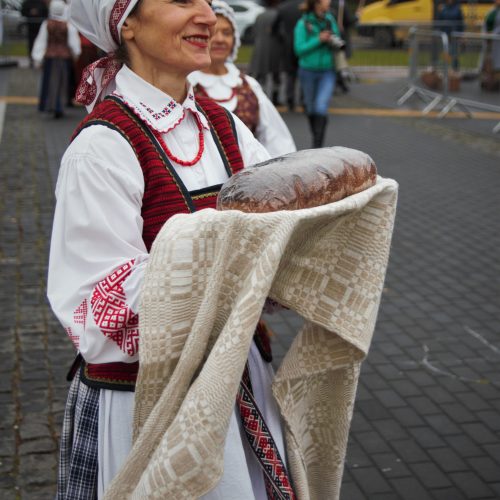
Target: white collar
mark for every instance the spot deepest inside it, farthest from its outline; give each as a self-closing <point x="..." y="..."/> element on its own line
<point x="155" y="107"/>
<point x="231" y="79"/>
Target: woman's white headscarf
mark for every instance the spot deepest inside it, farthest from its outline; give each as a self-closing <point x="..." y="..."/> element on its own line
<point x="57" y="10"/>
<point x="223" y="9"/>
<point x="101" y="22"/>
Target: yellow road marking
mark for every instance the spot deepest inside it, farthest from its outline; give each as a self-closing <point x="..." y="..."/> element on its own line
<point x="381" y="112"/>
<point x="13" y="99"/>
<point x="403" y="113"/>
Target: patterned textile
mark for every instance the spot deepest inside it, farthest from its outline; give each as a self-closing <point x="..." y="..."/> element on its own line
<point x="276" y="478"/>
<point x="207" y="278"/>
<point x="112" y="313"/>
<point x="247" y="109"/>
<point x="77" y="475"/>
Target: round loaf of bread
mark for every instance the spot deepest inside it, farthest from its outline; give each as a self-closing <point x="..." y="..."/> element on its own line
<point x="304" y="179"/>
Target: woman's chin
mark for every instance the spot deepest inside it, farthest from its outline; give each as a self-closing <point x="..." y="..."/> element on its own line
<point x="202" y="62"/>
<point x="219" y="58"/>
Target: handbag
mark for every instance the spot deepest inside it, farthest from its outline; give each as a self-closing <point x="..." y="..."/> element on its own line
<point x="340" y="60"/>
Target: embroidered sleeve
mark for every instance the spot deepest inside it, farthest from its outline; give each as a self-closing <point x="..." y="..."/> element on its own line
<point x="112" y="314"/>
<point x="97" y="254"/>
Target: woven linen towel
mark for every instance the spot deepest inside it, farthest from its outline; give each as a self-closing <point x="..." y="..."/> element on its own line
<point x="208" y="276"/>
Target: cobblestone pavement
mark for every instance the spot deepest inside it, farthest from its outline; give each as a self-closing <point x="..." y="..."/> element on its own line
<point x="427" y="418"/>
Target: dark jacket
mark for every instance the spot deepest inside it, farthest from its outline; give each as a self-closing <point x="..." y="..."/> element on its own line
<point x="452" y="18"/>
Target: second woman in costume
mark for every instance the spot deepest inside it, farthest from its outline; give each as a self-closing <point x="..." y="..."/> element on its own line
<point x="239" y="93"/>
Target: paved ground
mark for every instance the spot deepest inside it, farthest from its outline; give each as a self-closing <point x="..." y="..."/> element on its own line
<point x="427" y="417"/>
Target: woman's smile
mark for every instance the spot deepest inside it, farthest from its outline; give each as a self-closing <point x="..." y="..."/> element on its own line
<point x="200" y="41"/>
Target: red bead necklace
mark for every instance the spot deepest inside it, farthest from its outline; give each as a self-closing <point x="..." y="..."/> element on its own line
<point x="174" y="158"/>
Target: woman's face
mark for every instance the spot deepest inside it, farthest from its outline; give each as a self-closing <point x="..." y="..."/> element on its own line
<point x="170" y="35"/>
<point x="222" y="42"/>
<point x="323" y="6"/>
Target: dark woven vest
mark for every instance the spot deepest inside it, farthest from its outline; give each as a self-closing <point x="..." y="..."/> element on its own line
<point x="247" y="109"/>
<point x="164" y="196"/>
<point x="57" y="40"/>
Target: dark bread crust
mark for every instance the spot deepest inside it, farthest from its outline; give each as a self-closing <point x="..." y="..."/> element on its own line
<point x="305" y="179"/>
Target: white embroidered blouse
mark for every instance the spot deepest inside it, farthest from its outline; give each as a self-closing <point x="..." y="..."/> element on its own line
<point x="97" y="256"/>
<point x="272" y="131"/>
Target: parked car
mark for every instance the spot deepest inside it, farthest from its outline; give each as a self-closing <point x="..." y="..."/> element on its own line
<point x="245" y="12"/>
<point x="388" y="21"/>
<point x="14" y="24"/>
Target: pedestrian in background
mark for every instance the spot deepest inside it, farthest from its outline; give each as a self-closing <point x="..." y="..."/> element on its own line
<point x="35" y="11"/>
<point x="266" y="54"/>
<point x="492" y="25"/>
<point x="56" y="46"/>
<point x="241" y="94"/>
<point x="490" y="71"/>
<point x="288" y="13"/>
<point x="450" y="18"/>
<point x="316" y="37"/>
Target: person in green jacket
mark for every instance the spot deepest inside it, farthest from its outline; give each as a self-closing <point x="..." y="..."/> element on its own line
<point x="316" y="37"/>
<point x="492" y="25"/>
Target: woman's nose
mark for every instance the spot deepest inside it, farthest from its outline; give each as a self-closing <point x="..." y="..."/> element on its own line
<point x="217" y="36"/>
<point x="205" y="14"/>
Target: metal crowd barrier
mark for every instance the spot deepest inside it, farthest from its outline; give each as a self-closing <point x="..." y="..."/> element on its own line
<point x="435" y="51"/>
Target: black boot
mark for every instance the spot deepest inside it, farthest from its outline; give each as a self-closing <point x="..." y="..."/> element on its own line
<point x="320" y="122"/>
<point x="312" y="126"/>
<point x="342" y="83"/>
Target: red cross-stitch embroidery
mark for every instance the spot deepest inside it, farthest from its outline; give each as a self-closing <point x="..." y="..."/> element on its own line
<point x="111" y="312"/>
<point x="80" y="314"/>
<point x="74" y="338"/>
<point x="276" y="479"/>
<point x="117" y="12"/>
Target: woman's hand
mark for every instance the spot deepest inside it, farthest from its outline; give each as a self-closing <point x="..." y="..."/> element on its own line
<point x="325" y="35"/>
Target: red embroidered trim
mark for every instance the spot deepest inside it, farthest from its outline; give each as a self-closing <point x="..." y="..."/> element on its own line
<point x="111" y="312"/>
<point x="87" y="88"/>
<point x="117" y="12"/>
<point x="125" y="373"/>
<point x="80" y="314"/>
<point x="74" y="338"/>
<point x="174" y="158"/>
<point x="275" y="475"/>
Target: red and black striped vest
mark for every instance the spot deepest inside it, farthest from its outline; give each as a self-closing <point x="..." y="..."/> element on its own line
<point x="164" y="193"/>
<point x="164" y="196"/>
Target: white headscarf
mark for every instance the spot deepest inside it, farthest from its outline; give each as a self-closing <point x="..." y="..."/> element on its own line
<point x="57" y="10"/>
<point x="101" y="22"/>
<point x="223" y="9"/>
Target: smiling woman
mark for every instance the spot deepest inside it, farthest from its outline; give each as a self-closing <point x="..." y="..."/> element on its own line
<point x="148" y="150"/>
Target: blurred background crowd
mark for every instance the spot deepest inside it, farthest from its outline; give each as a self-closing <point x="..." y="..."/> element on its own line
<point x="371" y="32"/>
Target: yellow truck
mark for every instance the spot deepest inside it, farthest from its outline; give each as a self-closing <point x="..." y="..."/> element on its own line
<point x="388" y="21"/>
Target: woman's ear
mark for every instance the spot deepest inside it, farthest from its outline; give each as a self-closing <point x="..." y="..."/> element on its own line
<point x="128" y="28"/>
